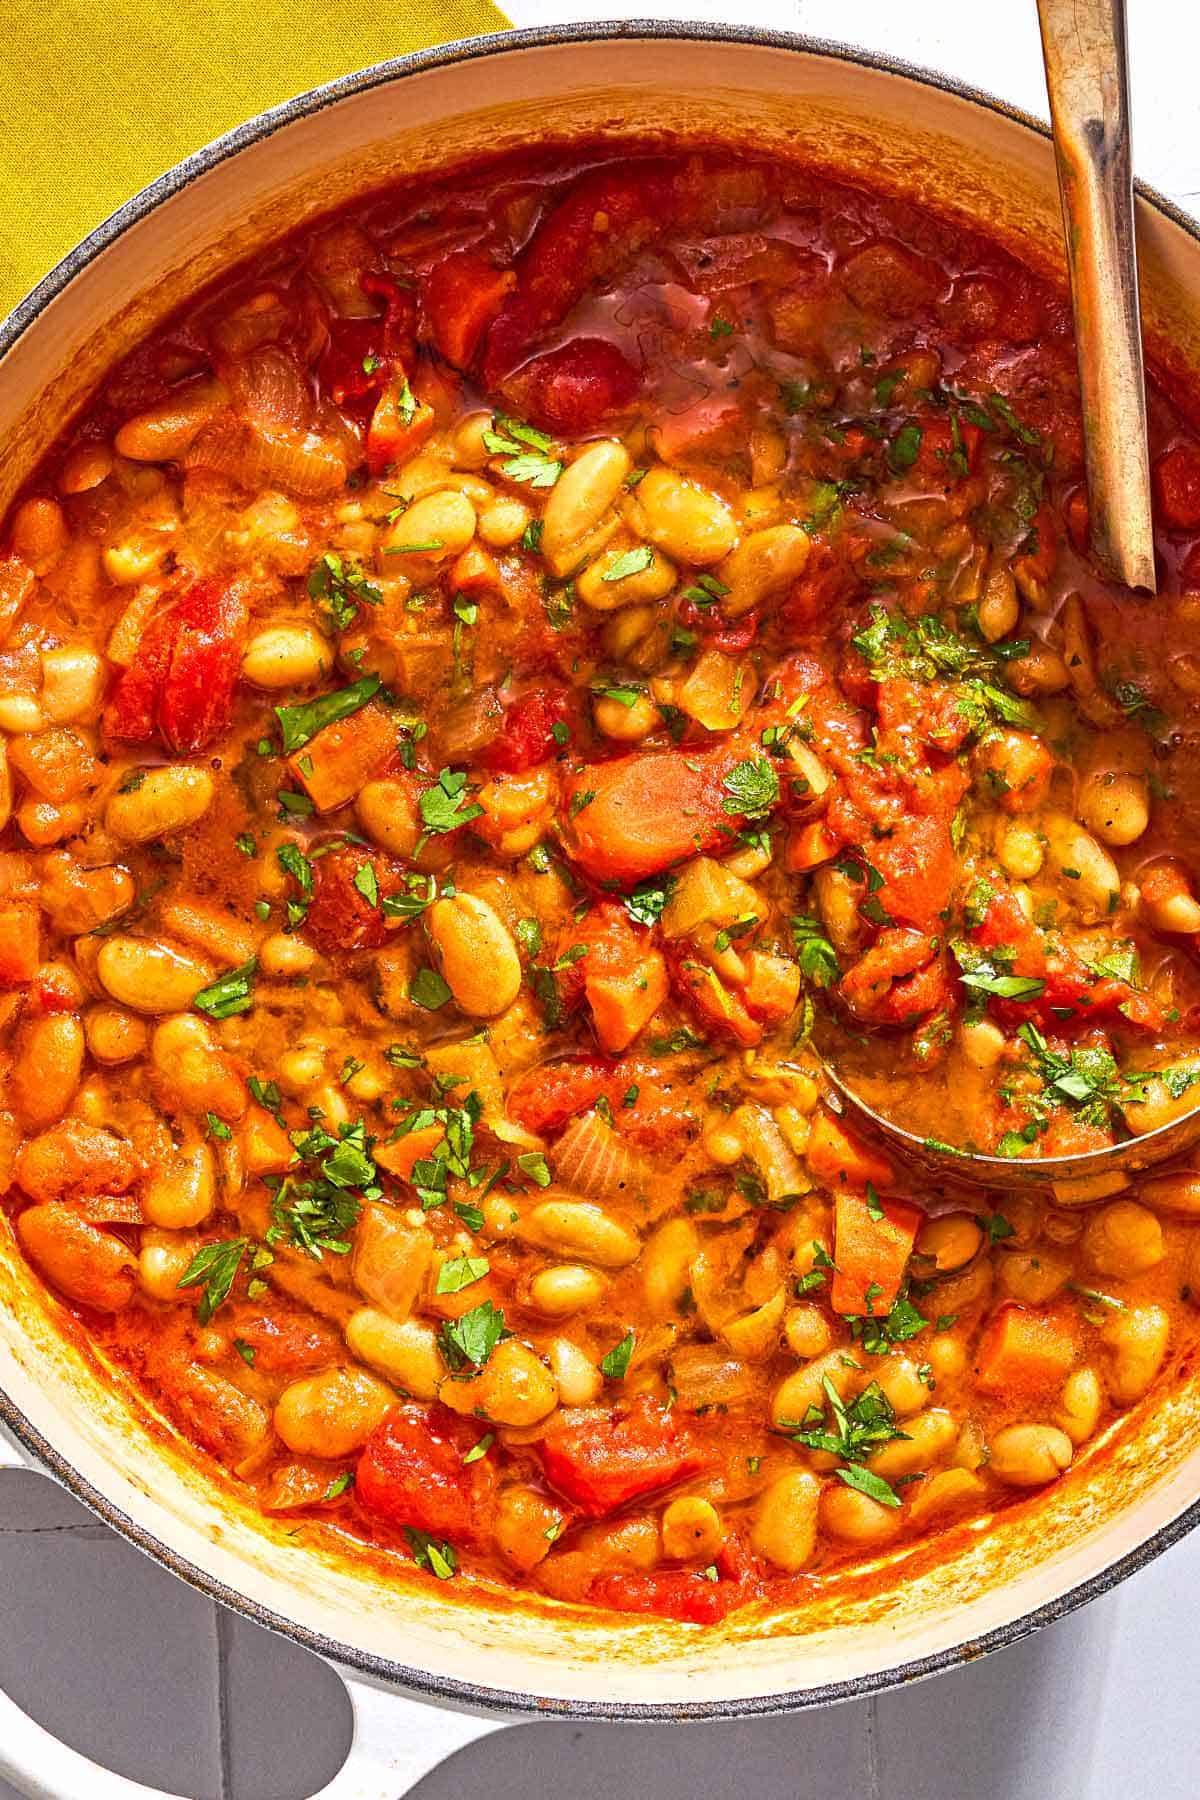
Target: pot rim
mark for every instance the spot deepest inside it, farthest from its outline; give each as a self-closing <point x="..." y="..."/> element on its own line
<point x="419" y="1682"/>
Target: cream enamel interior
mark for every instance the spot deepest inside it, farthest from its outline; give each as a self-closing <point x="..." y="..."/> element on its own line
<point x="938" y="146"/>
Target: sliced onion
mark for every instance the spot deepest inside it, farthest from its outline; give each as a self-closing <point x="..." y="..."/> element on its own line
<point x="268" y="389"/>
<point x="470" y="727"/>
<point x="592" y="1160"/>
<point x="302" y="462"/>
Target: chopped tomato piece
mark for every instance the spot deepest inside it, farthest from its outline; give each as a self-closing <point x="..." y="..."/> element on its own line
<point x="412" y="1473"/>
<point x="872" y="1242"/>
<point x="20" y="944"/>
<point x="685" y="1594"/>
<point x="1177" y="487"/>
<point x="603" y="1460"/>
<point x="527" y="734"/>
<point x="181" y="682"/>
<point x="341" y="915"/>
<point x="286" y="1341"/>
<point x="545" y="1098"/>
<point x="573" y="389"/>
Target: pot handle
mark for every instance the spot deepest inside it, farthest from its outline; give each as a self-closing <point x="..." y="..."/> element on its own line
<point x="397" y="1741"/>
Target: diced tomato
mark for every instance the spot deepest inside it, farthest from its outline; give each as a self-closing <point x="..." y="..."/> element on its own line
<point x="872" y="1242"/>
<point x="1025" y="1353"/>
<point x="399" y="426"/>
<point x="616" y="970"/>
<point x="462" y="296"/>
<point x="20" y="944"/>
<point x="341" y="917"/>
<point x="646" y="812"/>
<point x="946" y="454"/>
<point x="710" y="426"/>
<point x="1177" y="487"/>
<point x="286" y="1341"/>
<point x="772" y="991"/>
<point x="363" y="355"/>
<point x="181" y="683"/>
<point x="604" y="217"/>
<point x="719" y="1008"/>
<point x="572" y="390"/>
<point x="526" y="736"/>
<point x="602" y="1460"/>
<point x="545" y="1098"/>
<point x="837" y="1158"/>
<point x="412" y="1473"/>
<point x="668" y="1593"/>
<point x="919" y="869"/>
<point x="729" y="637"/>
<point x="899" y="980"/>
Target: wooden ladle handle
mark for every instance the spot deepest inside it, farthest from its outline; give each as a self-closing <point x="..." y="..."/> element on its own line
<point x="1083" y="42"/>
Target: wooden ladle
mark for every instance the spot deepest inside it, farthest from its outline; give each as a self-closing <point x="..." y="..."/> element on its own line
<point x="1084" y="48"/>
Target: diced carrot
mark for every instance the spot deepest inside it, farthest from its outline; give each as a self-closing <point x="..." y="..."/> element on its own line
<point x="401" y="1157"/>
<point x="624" y="1000"/>
<point x="399" y="425"/>
<point x="475" y="572"/>
<point x="20" y="944"/>
<point x="336" y="763"/>
<point x="840" y="1160"/>
<point x="1023" y="1352"/>
<point x="462" y="296"/>
<point x="811" y="845"/>
<point x="639" y="814"/>
<point x="266" y="1146"/>
<point x="870" y="1252"/>
<point x="773" y="989"/>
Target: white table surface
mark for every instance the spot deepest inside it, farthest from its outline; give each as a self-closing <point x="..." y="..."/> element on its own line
<point x="132" y="1667"/>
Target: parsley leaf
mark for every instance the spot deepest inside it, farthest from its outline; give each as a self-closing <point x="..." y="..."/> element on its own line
<point x="458" y="1272"/>
<point x="817" y="957"/>
<point x="645" y="904"/>
<point x="472" y="1338"/>
<point x="632" y="562"/>
<point x="230" y="994"/>
<point x="616" y="1364"/>
<point x="444" y="806"/>
<point x="214" y="1269"/>
<point x="751" y="788"/>
<point x="299" y="724"/>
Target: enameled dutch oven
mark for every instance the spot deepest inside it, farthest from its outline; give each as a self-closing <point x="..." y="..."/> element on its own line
<point x="983" y="1585"/>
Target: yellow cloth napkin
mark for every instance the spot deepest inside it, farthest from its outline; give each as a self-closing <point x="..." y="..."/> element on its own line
<point x="100" y="96"/>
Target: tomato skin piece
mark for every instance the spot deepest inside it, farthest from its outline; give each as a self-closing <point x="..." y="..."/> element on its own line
<point x="621" y="975"/>
<point x="462" y="296"/>
<point x="602" y="1461"/>
<point x="526" y="736"/>
<point x="287" y="1342"/>
<point x="544" y="1099"/>
<point x="20" y="945"/>
<point x="1177" y="487"/>
<point x="411" y="1472"/>
<point x="572" y="390"/>
<point x="361" y="356"/>
<point x="340" y="918"/>
<point x="181" y="682"/>
<point x="667" y="1593"/>
<point x="647" y="812"/>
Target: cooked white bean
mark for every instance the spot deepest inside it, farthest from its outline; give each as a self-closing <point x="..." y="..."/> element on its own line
<point x="163" y="800"/>
<point x="476" y="953"/>
<point x="72" y="683"/>
<point x="149" y="977"/>
<point x="565" y="1289"/>
<point x="579" y="1228"/>
<point x="331" y="1414"/>
<point x="430" y="531"/>
<point x="182" y="1193"/>
<point x="762" y="564"/>
<point x="284" y="656"/>
<point x="785" y="1525"/>
<point x="688" y="521"/>
<point x="1030" y="1455"/>
<point x="1115" y="804"/>
<point x="406" y="1353"/>
<point x="579" y="500"/>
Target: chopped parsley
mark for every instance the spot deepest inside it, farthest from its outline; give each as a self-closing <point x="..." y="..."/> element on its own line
<point x="230" y="994"/>
<point x="468" y="1342"/>
<point x="616" y="1364"/>
<point x="299" y="724"/>
<point x="213" y="1270"/>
